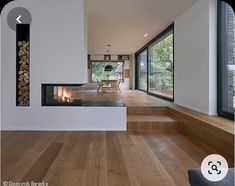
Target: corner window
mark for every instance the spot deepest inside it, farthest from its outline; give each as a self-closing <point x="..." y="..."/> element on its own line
<point x="155" y="66"/>
<point x="226" y="60"/>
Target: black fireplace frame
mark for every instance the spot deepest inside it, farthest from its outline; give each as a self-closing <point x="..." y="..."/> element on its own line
<point x="43" y="94"/>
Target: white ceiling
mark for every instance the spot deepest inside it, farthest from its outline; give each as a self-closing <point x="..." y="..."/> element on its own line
<point x="122" y="23"/>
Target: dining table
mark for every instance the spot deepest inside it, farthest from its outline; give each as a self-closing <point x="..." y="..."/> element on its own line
<point x="107" y="85"/>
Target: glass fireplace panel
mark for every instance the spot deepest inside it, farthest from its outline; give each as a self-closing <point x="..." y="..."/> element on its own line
<point x="62" y="94"/>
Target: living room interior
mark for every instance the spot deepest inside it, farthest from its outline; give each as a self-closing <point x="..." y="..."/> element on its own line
<point x="116" y="92"/>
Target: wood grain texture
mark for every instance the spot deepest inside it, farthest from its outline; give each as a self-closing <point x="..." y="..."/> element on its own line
<point x="146" y="110"/>
<point x="150" y="118"/>
<point x="152" y="126"/>
<point x="130" y="98"/>
<point x="41" y="166"/>
<point x="151" y="123"/>
<point x="102" y="158"/>
<point x="139" y="102"/>
<point x="214" y="121"/>
<point x="215" y="132"/>
<point x="132" y="158"/>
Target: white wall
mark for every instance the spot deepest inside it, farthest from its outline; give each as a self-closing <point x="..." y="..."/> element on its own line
<point x="195" y="57"/>
<point x="67" y="119"/>
<point x="58" y="54"/>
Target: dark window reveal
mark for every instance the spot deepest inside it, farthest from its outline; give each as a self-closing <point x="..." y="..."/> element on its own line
<point x="226" y="60"/>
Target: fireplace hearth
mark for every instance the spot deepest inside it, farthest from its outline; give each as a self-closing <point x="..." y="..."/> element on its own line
<point x="62" y="95"/>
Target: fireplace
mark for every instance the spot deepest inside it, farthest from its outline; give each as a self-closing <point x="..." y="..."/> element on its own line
<point x="62" y="94"/>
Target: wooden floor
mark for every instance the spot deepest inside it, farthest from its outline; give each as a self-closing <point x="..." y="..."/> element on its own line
<point x="115" y="158"/>
<point x="100" y="158"/>
<point x="128" y="97"/>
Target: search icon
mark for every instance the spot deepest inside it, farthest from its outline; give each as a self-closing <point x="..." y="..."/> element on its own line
<point x="214" y="167"/>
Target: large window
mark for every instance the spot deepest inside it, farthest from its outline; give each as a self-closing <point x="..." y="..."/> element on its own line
<point x="161" y="66"/>
<point x="142" y="70"/>
<point x="155" y="66"/>
<point x="226" y="60"/>
<point x="98" y="72"/>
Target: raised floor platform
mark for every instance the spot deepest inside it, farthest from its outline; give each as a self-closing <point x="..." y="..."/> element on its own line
<point x="148" y="113"/>
<point x="140" y="102"/>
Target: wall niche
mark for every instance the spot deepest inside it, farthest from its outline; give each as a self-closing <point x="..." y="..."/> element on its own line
<point x="22" y="65"/>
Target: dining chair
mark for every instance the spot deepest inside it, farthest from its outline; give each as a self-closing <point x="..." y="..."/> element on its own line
<point x="117" y="86"/>
<point x="100" y="86"/>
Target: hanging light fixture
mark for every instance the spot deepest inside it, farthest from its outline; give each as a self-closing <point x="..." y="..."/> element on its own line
<point x="108" y="48"/>
<point x="108" y="68"/>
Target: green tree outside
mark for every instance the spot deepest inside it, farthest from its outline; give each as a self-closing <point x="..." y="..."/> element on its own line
<point x="98" y="72"/>
<point x="161" y="66"/>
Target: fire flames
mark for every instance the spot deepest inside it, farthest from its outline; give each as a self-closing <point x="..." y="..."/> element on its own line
<point x="65" y="94"/>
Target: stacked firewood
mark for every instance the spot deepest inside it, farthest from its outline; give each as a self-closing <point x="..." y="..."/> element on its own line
<point x="23" y="73"/>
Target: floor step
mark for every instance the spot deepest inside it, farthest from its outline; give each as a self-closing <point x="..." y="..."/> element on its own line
<point x="161" y="110"/>
<point x="151" y="123"/>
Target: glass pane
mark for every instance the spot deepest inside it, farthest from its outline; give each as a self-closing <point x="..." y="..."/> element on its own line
<point x="142" y="70"/>
<point x="227" y="58"/>
<point x="99" y="73"/>
<point x="161" y="66"/>
<point x="62" y="95"/>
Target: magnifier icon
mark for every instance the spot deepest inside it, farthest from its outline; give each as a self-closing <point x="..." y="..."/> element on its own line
<point x="214" y="167"/>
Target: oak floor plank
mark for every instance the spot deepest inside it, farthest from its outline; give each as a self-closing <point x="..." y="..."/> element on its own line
<point x="117" y="172"/>
<point x="11" y="153"/>
<point x="8" y="136"/>
<point x="151" y="163"/>
<point x="96" y="162"/>
<point x="196" y="150"/>
<point x="57" y="173"/>
<point x="132" y="158"/>
<point x="40" y="168"/>
<point x="101" y="158"/>
<point x="72" y="178"/>
<point x="33" y="154"/>
<point x="174" y="159"/>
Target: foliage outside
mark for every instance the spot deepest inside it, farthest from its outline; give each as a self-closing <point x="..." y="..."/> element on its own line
<point x="99" y="74"/>
<point x="160" y="67"/>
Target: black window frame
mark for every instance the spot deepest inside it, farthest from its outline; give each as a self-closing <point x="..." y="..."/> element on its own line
<point x="220" y="63"/>
<point x="137" y="69"/>
<point x="157" y="38"/>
